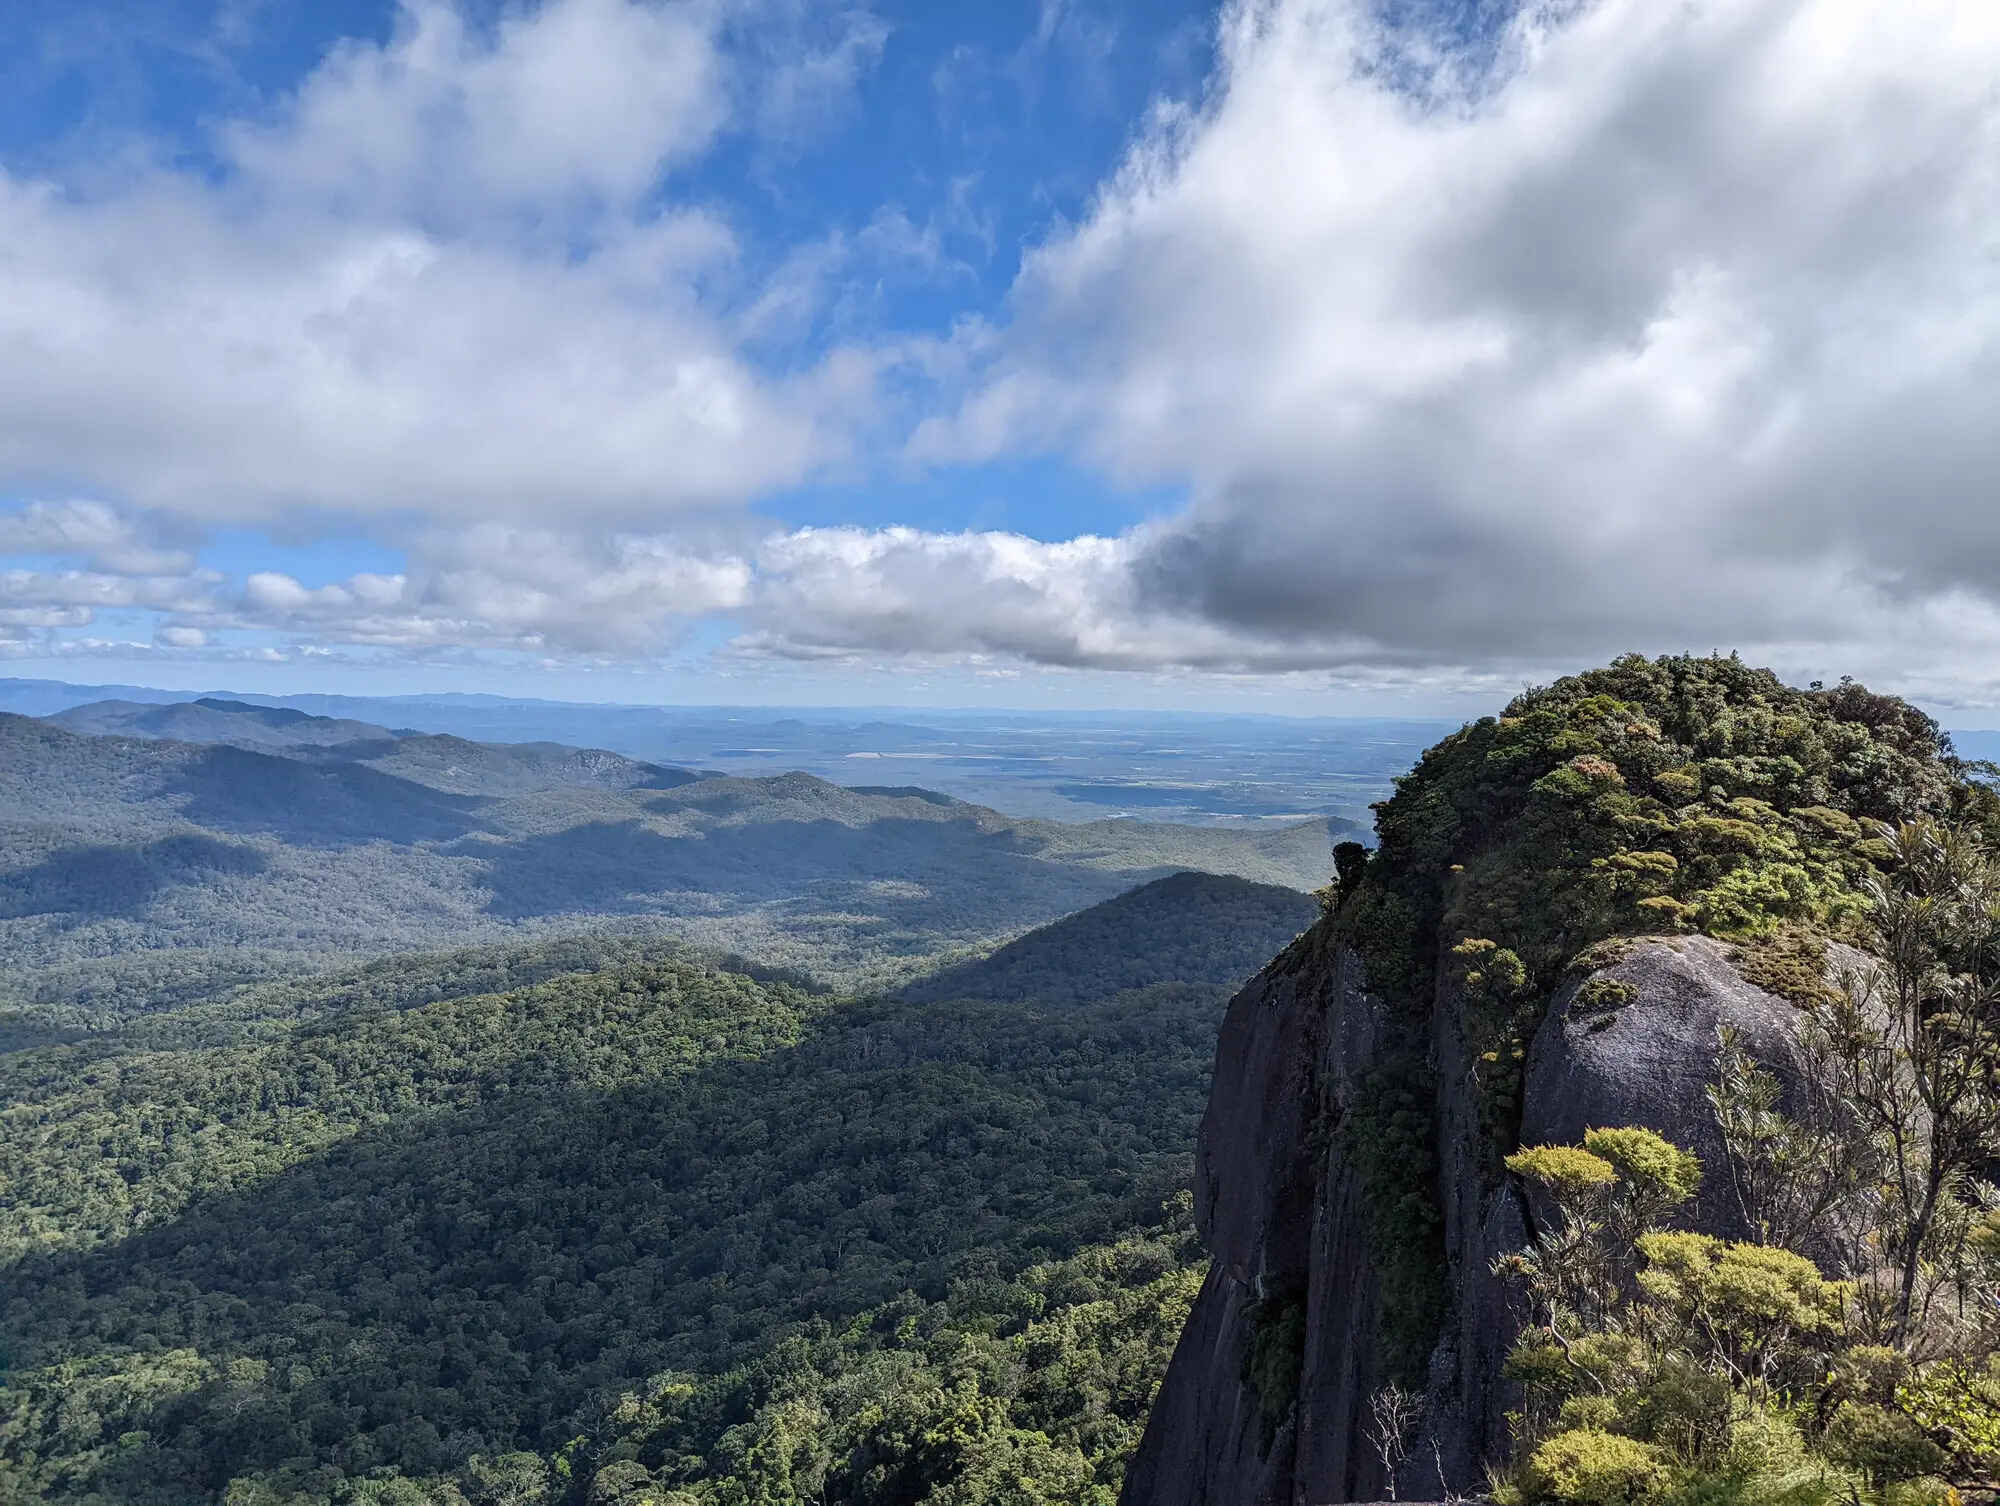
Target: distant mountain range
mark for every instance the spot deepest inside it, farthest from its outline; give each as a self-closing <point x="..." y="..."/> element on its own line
<point x="212" y="719"/>
<point x="439" y="760"/>
<point x="1195" y="768"/>
<point x="292" y="834"/>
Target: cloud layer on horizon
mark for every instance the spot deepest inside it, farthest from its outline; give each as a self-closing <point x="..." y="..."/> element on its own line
<point x="1624" y="326"/>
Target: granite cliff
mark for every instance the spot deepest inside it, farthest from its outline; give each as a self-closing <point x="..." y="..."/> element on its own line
<point x="1568" y="904"/>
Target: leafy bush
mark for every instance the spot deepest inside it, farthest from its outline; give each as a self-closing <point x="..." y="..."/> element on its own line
<point x="1733" y="1366"/>
<point x="1585" y="1467"/>
<point x="1275" y="1356"/>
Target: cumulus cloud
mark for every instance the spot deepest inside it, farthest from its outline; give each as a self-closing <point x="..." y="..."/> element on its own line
<point x="1078" y="603"/>
<point x="1657" y="325"/>
<point x="1625" y="325"/>
<point x="616" y="596"/>
<point x="105" y="536"/>
<point x="36" y="605"/>
<point x="578" y="105"/>
<point x="439" y="277"/>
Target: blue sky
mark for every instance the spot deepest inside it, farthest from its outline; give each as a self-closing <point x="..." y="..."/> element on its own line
<point x="1294" y="354"/>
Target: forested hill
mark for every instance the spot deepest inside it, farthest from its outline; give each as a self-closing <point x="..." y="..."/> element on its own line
<point x="659" y="1232"/>
<point x="214" y="719"/>
<point x="1203" y="928"/>
<point x="113" y="849"/>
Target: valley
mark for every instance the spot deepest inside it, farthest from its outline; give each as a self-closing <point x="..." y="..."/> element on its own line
<point x="387" y="1116"/>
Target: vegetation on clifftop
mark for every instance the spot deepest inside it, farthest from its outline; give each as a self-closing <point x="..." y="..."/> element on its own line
<point x="1677" y="794"/>
<point x="1650" y="796"/>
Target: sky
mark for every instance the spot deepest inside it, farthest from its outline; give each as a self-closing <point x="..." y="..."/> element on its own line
<point x="1372" y="356"/>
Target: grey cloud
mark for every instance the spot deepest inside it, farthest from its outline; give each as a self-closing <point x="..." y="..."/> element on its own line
<point x="104" y="536"/>
<point x="1643" y="326"/>
<point x="1654" y="326"/>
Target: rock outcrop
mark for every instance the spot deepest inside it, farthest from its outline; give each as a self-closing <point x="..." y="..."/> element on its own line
<point x="1283" y="1209"/>
<point x="1528" y="954"/>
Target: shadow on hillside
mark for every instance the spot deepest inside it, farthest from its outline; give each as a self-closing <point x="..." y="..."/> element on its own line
<point x="107" y="881"/>
<point x="1194" y="928"/>
<point x="942" y="875"/>
<point x="311" y="804"/>
<point x="484" y="1270"/>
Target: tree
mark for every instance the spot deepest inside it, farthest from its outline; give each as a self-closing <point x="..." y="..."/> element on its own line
<point x="1911" y="1044"/>
<point x="1350" y="861"/>
<point x="1392" y="1414"/>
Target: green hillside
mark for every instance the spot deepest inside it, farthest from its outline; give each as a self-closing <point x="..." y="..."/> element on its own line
<point x="383" y="1238"/>
<point x="1200" y="928"/>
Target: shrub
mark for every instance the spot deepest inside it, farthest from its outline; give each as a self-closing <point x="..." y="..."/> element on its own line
<point x="1764" y="1445"/>
<point x="1885" y="1446"/>
<point x="1656" y="1168"/>
<point x="1592" y="1413"/>
<point x="1275" y="1356"/>
<point x="1566" y="1170"/>
<point x="1586" y="1467"/>
<point x="1681" y="1407"/>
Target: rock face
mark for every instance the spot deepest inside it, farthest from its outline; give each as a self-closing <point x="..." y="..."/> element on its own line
<point x="1266" y="1399"/>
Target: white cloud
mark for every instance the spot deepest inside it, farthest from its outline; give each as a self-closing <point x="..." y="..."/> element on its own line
<point x="577" y="105"/>
<point x="39" y="606"/>
<point x="812" y="82"/>
<point x="101" y="534"/>
<point x="440" y="278"/>
<point x="615" y="596"/>
<point x="1642" y="325"/>
<point x="96" y="590"/>
<point x="1668" y="326"/>
<point x="1076" y="603"/>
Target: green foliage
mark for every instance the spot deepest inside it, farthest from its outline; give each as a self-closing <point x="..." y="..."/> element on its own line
<point x="1657" y="1172"/>
<point x="1957" y="1405"/>
<point x="1730" y="1369"/>
<point x="1350" y="861"/>
<point x="1882" y="1445"/>
<point x="1584" y="1467"/>
<point x="1610" y="1194"/>
<point x="1669" y="793"/>
<point x="1566" y="1170"/>
<point x="1386" y="1139"/>
<point x="1753" y="1313"/>
<point x="1275" y="1357"/>
<point x="384" y="1246"/>
<point x="1787" y="1175"/>
<point x="1702" y="781"/>
<point x="1650" y="795"/>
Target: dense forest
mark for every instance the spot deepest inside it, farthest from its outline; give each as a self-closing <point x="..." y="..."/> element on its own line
<point x="521" y="1227"/>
